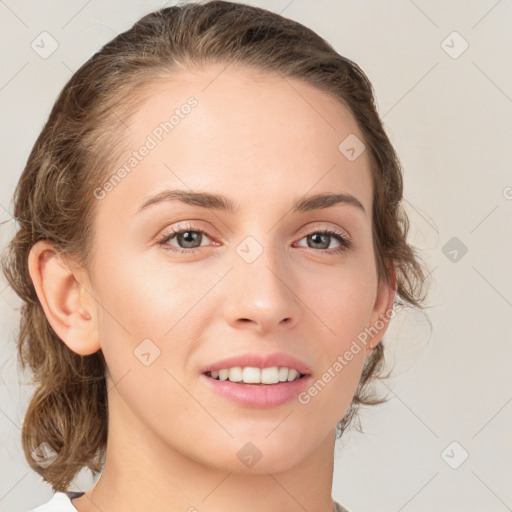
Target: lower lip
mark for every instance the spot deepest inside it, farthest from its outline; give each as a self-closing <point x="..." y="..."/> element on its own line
<point x="260" y="396"/>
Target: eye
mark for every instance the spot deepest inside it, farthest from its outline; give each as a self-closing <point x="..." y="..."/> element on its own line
<point x="189" y="239"/>
<point x="321" y="238"/>
<point x="188" y="236"/>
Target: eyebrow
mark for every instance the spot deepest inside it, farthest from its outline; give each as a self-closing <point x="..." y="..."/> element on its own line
<point x="223" y="203"/>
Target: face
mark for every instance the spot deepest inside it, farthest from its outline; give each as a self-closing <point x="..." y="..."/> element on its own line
<point x="262" y="279"/>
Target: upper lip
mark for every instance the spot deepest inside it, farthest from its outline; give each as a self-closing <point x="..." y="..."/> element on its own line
<point x="255" y="360"/>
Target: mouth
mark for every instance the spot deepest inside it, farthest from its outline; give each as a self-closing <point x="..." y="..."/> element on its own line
<point x="257" y="387"/>
<point x="256" y="376"/>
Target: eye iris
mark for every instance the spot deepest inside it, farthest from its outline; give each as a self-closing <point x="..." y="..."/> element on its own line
<point x="326" y="244"/>
<point x="184" y="236"/>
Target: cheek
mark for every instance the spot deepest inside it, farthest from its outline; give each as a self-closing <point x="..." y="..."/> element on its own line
<point x="343" y="315"/>
<point x="152" y="397"/>
<point x="342" y="301"/>
<point x="149" y="321"/>
<point x="146" y="299"/>
<point x="144" y="311"/>
<point x="332" y="390"/>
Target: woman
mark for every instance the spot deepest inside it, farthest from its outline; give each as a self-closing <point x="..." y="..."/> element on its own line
<point x="210" y="247"/>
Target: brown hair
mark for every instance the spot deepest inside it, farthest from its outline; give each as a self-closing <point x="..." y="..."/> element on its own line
<point x="80" y="142"/>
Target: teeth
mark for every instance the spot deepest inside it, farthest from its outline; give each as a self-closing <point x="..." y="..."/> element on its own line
<point x="292" y="374"/>
<point x="235" y="374"/>
<point x="270" y="375"/>
<point x="252" y="375"/>
<point x="283" y="374"/>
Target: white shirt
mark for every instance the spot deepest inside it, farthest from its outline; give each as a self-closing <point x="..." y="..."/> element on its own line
<point x="61" y="502"/>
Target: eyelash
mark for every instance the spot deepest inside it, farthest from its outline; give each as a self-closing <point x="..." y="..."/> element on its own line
<point x="345" y="243"/>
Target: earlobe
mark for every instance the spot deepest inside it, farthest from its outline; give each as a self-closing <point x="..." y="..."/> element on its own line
<point x="60" y="292"/>
<point x="382" y="311"/>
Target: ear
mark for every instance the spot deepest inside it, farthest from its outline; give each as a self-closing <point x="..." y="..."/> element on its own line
<point x="382" y="310"/>
<point x="65" y="296"/>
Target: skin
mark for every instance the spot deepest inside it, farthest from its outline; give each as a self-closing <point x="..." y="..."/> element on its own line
<point x="262" y="141"/>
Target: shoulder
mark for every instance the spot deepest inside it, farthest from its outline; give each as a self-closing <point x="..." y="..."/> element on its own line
<point x="340" y="508"/>
<point x="60" y="502"/>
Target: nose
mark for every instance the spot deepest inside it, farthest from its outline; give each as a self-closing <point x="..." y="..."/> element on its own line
<point x="260" y="294"/>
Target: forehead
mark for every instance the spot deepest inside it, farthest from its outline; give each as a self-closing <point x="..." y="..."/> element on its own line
<point x="227" y="127"/>
<point x="253" y="102"/>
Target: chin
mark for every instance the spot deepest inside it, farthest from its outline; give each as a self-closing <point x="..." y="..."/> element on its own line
<point x="259" y="456"/>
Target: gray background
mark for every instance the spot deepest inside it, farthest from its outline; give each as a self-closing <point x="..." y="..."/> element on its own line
<point x="448" y="113"/>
